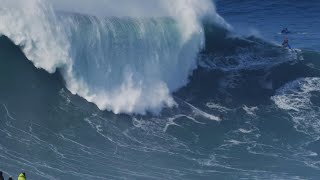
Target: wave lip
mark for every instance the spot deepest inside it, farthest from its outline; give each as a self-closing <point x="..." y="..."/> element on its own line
<point x="33" y="26"/>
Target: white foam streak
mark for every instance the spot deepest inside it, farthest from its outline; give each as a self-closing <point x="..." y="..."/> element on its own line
<point x="199" y="112"/>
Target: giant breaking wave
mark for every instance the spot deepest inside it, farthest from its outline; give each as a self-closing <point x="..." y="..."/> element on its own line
<point x="128" y="59"/>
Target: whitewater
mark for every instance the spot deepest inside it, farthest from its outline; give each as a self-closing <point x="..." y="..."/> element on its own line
<point x="112" y="53"/>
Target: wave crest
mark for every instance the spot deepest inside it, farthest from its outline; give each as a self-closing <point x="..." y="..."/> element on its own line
<point x="127" y="64"/>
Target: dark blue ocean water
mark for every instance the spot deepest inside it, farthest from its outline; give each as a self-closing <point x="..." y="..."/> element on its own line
<point x="250" y="110"/>
<point x="266" y="19"/>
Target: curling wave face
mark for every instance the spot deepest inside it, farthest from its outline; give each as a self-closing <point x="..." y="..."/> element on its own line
<point x="121" y="60"/>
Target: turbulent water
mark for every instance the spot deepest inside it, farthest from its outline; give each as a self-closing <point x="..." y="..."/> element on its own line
<point x="140" y="89"/>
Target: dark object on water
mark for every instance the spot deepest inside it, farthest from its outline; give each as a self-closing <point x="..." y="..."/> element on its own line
<point x="221" y="117"/>
<point x="285" y="43"/>
<point x="1" y="176"/>
<point x="285" y="31"/>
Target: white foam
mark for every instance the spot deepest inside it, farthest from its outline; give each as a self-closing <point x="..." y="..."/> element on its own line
<point x="217" y="107"/>
<point x="32" y="25"/>
<point x="295" y="97"/>
<point x="245" y="131"/>
<point x="235" y="142"/>
<point x="199" y="112"/>
<point x="250" y="110"/>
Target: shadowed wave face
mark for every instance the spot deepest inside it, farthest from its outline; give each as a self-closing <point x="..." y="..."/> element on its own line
<point x="155" y="90"/>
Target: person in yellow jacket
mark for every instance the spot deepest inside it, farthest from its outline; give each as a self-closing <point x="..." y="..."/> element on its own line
<point x="22" y="176"/>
